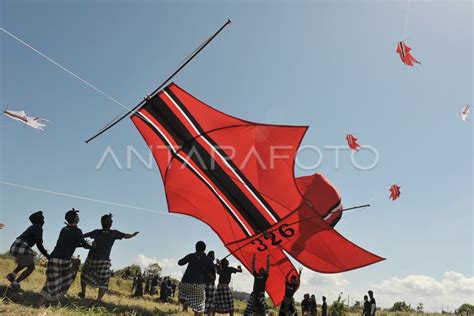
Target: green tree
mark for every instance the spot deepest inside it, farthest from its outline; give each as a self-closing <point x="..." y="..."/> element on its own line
<point x="133" y="270"/>
<point x="465" y="309"/>
<point x="401" y="306"/>
<point x="338" y="307"/>
<point x="357" y="307"/>
<point x="153" y="268"/>
<point x="420" y="308"/>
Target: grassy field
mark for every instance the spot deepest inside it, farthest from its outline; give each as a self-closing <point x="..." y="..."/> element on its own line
<point x="117" y="301"/>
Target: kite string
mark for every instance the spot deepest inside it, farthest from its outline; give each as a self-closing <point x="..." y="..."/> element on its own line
<point x="87" y="198"/>
<point x="406" y="19"/>
<point x="87" y="83"/>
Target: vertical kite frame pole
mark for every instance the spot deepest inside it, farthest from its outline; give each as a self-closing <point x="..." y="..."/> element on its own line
<point x="132" y="111"/>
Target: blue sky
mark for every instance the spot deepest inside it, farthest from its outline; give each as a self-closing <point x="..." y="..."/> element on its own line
<point x="329" y="65"/>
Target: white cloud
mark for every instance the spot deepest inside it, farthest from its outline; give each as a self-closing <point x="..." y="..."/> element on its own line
<point x="144" y="261"/>
<point x="169" y="266"/>
<point x="167" y="263"/>
<point x="450" y="292"/>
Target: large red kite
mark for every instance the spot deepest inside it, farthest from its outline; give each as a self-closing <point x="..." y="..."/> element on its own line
<point x="238" y="177"/>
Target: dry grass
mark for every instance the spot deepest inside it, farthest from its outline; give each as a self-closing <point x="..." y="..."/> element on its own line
<point x="117" y="301"/>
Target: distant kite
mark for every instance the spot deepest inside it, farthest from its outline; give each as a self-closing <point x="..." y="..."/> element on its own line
<point x="2" y="225"/>
<point x="35" y="122"/>
<point x="465" y="113"/>
<point x="404" y="51"/>
<point x="352" y="142"/>
<point x="394" y="192"/>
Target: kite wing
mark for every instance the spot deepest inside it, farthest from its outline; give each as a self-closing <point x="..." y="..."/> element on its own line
<point x="237" y="177"/>
<point x="21" y="116"/>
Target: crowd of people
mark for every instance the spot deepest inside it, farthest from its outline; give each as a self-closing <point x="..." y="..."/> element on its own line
<point x="197" y="289"/>
<point x="147" y="283"/>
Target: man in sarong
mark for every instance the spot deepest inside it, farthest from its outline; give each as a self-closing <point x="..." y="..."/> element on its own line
<point x="96" y="270"/>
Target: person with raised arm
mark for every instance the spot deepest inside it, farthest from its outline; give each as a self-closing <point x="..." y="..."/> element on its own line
<point x="256" y="304"/>
<point x="288" y="306"/>
<point x="223" y="300"/>
<point x="96" y="270"/>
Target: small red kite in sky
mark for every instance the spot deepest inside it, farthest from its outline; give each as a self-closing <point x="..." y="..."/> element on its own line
<point x="1" y="225"/>
<point x="394" y="192"/>
<point x="352" y="142"/>
<point x="404" y="51"/>
<point x="465" y="113"/>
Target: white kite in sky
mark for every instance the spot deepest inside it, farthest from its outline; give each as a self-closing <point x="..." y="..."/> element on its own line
<point x="35" y="122"/>
<point x="465" y="113"/>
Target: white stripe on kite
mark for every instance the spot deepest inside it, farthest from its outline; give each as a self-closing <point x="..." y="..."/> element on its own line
<point x="335" y="209"/>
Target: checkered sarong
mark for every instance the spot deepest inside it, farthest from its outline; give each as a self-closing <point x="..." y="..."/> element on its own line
<point x="60" y="274"/>
<point x="223" y="300"/>
<point x="256" y="304"/>
<point x="193" y="295"/>
<point x="209" y="304"/>
<point x="96" y="273"/>
<point x="20" y="247"/>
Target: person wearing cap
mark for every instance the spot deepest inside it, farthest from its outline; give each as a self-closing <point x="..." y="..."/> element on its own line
<point x="62" y="269"/>
<point x="21" y="250"/>
<point x="192" y="289"/>
<point x="96" y="270"/>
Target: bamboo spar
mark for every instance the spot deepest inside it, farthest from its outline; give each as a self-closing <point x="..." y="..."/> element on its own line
<point x="133" y="110"/>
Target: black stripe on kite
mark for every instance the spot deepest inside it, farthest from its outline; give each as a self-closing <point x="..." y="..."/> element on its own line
<point x="219" y="149"/>
<point x="163" y="114"/>
<point x="332" y="208"/>
<point x="196" y="174"/>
